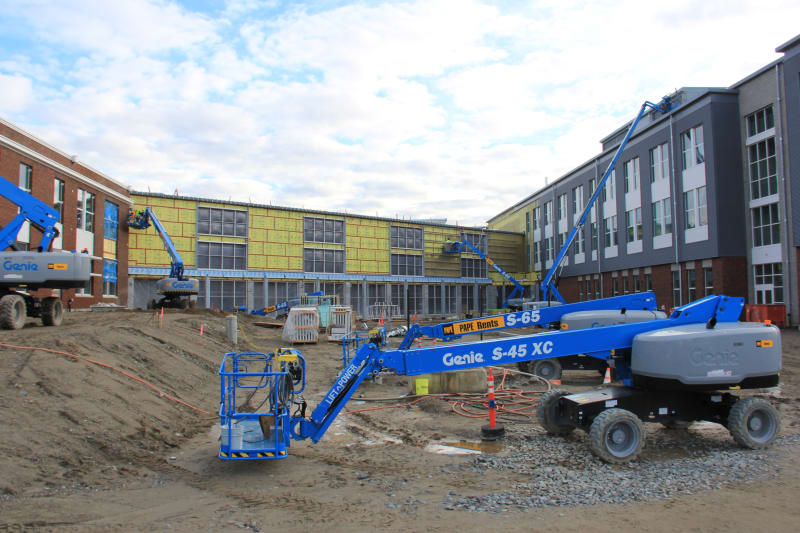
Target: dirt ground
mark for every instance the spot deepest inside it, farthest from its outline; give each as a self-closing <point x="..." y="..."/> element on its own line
<point x="86" y="448"/>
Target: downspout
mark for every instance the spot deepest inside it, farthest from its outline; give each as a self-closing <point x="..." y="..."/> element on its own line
<point x="784" y="198"/>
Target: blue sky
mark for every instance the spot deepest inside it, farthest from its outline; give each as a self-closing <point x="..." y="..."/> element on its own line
<point x="446" y="108"/>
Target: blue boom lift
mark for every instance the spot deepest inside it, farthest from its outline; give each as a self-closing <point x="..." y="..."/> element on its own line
<point x="40" y="268"/>
<point x="674" y="370"/>
<point x="177" y="289"/>
<point x="456" y="247"/>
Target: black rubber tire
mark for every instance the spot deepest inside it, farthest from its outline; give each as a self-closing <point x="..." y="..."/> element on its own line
<point x="616" y="436"/>
<point x="13" y="311"/>
<point x="754" y="423"/>
<point x="547" y="368"/>
<point x="52" y="311"/>
<point x="545" y="413"/>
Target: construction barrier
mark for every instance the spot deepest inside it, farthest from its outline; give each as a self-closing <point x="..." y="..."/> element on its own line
<point x="775" y="313"/>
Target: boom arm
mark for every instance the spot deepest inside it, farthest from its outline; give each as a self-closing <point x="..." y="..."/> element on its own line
<point x="545" y="316"/>
<point x="601" y="341"/>
<point x="455" y="247"/>
<point x="40" y="215"/>
<point x="142" y="220"/>
<point x="551" y="279"/>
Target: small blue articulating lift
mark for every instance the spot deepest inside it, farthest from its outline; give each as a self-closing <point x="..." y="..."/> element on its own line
<point x="457" y="247"/>
<point x="673" y="370"/>
<point x="177" y="289"/>
<point x="40" y="268"/>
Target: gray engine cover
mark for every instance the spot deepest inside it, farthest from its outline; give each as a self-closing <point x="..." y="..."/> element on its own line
<point x="603" y="317"/>
<point x="52" y="270"/>
<point x="695" y="355"/>
<point x="180" y="287"/>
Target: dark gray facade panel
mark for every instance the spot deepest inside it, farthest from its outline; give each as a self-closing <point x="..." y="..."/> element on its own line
<point x="725" y="193"/>
<point x="791" y="73"/>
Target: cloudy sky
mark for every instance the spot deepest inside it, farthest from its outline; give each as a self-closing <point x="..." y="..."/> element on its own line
<point x="451" y="109"/>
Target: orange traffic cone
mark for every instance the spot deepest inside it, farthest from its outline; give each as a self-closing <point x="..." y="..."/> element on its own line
<point x="607" y="378"/>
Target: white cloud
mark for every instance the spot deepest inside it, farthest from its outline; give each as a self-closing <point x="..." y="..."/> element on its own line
<point x="424" y="109"/>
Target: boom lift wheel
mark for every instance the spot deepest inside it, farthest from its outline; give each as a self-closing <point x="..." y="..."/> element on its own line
<point x="616" y="436"/>
<point x="754" y="423"/>
<point x="52" y="311"/>
<point x="13" y="311"/>
<point x="546" y="413"/>
<point x="547" y="369"/>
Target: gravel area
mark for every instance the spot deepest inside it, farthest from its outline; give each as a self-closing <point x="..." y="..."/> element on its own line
<point x="564" y="472"/>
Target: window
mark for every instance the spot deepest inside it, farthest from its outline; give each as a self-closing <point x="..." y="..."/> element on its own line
<point x="595" y="236"/>
<point x="578" y="245"/>
<point x="414" y="299"/>
<point x="548" y="213"/>
<point x="87" y="289"/>
<point x="562" y="238"/>
<point x="625" y="285"/>
<point x="588" y="289"/>
<point x="319" y="260"/>
<point x="110" y="221"/>
<point x="537" y="212"/>
<point x="478" y="240"/>
<point x="633" y="224"/>
<point x="528" y="221"/>
<point x="577" y="200"/>
<point x="694" y="202"/>
<point x="662" y="217"/>
<point x="760" y="121"/>
<point x="708" y="277"/>
<point x="676" y="288"/>
<point x="766" y="225"/>
<point x="434" y="299"/>
<point x="763" y="169"/>
<point x="659" y="163"/>
<point x="400" y="237"/>
<point x="648" y="282"/>
<point x="473" y="268"/>
<point x="58" y="198"/>
<point x="109" y="277"/>
<point x="562" y="207"/>
<point x="692" y="147"/>
<point x="406" y="265"/>
<point x="222" y="255"/>
<point x="614" y="286"/>
<point x="225" y="295"/>
<point x="85" y="210"/>
<point x="281" y="291"/>
<point x="536" y="257"/>
<point x="610" y="224"/>
<point x="631" y="175"/>
<point x="548" y="249"/>
<point x="769" y="283"/>
<point x="636" y="284"/>
<point x="596" y="289"/>
<point x="25" y="178"/>
<point x="691" y="285"/>
<point x="608" y="188"/>
<point x="212" y="221"/>
<point x="580" y="290"/>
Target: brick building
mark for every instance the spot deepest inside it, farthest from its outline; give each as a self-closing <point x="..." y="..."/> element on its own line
<point x="91" y="205"/>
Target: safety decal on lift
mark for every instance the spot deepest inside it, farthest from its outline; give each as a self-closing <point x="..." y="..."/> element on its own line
<point x="57" y="266"/>
<point x="765" y="343"/>
<point x="472" y="326"/>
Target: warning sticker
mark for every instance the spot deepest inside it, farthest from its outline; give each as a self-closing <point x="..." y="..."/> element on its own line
<point x="474" y="326"/>
<point x="57" y="266"/>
